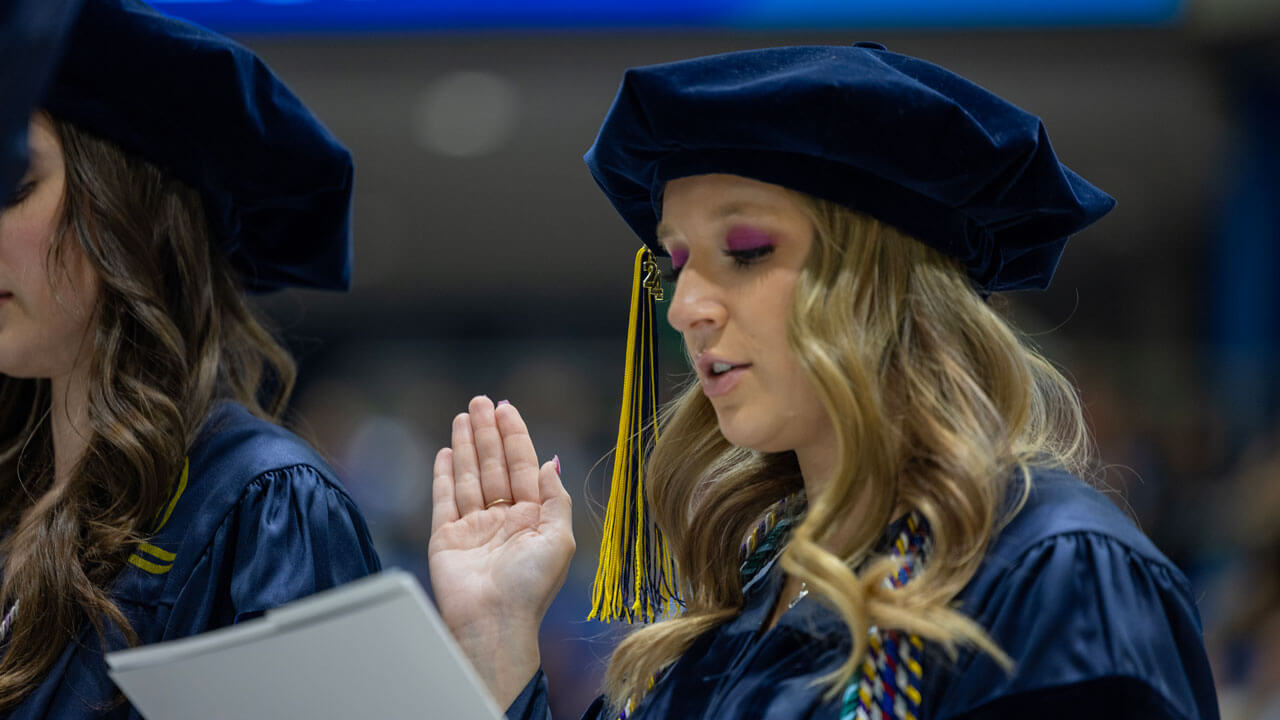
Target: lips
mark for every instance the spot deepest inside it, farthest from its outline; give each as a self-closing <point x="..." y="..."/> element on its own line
<point x="719" y="375"/>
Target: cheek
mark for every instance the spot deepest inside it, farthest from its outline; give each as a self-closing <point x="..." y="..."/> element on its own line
<point x="84" y="287"/>
<point x="768" y="314"/>
<point x="26" y="235"/>
<point x="76" y="290"/>
<point x="57" y="308"/>
<point x="23" y="249"/>
<point x="793" y="396"/>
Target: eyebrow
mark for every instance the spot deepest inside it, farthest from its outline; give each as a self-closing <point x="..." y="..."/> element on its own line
<point x="724" y="211"/>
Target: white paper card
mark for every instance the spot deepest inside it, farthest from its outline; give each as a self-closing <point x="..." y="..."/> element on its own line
<point x="373" y="648"/>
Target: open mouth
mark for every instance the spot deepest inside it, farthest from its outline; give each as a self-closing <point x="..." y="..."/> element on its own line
<point x="721" y="368"/>
<point x="720" y="377"/>
<point x="717" y="369"/>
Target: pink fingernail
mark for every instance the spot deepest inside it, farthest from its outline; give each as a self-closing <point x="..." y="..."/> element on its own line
<point x="503" y="402"/>
<point x="556" y="460"/>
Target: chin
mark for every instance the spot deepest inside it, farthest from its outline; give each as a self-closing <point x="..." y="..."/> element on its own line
<point x="15" y="362"/>
<point x="19" y="372"/>
<point x="741" y="430"/>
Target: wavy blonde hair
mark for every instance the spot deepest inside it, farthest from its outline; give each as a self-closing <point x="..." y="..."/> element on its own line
<point x="936" y="402"/>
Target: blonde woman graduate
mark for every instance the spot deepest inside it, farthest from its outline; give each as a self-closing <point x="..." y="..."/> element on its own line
<point x="149" y="492"/>
<point x="869" y="503"/>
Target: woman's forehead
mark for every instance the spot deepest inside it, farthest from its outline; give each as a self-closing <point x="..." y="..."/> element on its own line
<point x="42" y="141"/>
<point x="718" y="197"/>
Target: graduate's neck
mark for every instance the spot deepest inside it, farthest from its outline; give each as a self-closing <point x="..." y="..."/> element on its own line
<point x="818" y="466"/>
<point x="69" y="422"/>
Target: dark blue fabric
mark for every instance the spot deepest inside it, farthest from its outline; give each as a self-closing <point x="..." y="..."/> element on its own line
<point x="531" y="703"/>
<point x="276" y="184"/>
<point x="893" y="136"/>
<point x="31" y="34"/>
<point x="1099" y="623"/>
<point x="261" y="521"/>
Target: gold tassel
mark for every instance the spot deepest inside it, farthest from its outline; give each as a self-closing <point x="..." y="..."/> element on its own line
<point x="635" y="577"/>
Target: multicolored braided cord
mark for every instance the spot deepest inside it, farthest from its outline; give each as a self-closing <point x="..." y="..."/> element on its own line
<point x="759" y="545"/>
<point x="889" y="684"/>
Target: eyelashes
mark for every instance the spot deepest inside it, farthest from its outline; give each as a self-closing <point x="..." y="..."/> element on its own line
<point x="743" y="258"/>
<point x="19" y="194"/>
<point x="748" y="256"/>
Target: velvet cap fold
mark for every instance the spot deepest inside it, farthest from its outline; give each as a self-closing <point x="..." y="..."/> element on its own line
<point x="276" y="184"/>
<point x="893" y="136"/>
<point x="31" y="35"/>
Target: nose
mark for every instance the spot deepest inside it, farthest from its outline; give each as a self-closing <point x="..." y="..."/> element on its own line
<point x="697" y="304"/>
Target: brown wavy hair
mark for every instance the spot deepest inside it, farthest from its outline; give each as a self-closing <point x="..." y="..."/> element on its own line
<point x="937" y="404"/>
<point x="171" y="334"/>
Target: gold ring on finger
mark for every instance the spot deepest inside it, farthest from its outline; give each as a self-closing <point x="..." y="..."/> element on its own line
<point x="499" y="501"/>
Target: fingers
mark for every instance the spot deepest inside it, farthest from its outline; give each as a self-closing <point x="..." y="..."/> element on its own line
<point x="444" y="509"/>
<point x="466" y="468"/>
<point x="521" y="458"/>
<point x="494" y="482"/>
<point x="557" y="506"/>
<point x="493" y="458"/>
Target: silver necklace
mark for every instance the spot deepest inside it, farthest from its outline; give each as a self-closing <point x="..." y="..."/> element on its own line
<point x="804" y="590"/>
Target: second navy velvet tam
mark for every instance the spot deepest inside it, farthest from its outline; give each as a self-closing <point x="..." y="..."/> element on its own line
<point x="276" y="184"/>
<point x="893" y="136"/>
<point x="31" y="34"/>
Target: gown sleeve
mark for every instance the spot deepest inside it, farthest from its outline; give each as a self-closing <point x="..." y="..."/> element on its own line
<point x="1094" y="629"/>
<point x="294" y="534"/>
<point x="531" y="703"/>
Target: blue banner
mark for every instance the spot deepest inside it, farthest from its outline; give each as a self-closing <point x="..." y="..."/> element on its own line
<point x="370" y="15"/>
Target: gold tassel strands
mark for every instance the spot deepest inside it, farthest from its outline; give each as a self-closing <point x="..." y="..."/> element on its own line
<point x="635" y="577"/>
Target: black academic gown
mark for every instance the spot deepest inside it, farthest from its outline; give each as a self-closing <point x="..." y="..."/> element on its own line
<point x="1099" y="623"/>
<point x="257" y="520"/>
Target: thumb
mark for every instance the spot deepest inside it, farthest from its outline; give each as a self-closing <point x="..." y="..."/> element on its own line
<point x="557" y="506"/>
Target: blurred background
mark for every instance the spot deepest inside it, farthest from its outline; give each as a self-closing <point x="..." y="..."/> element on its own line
<point x="488" y="262"/>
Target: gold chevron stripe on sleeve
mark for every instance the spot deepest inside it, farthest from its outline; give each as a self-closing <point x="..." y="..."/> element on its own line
<point x="153" y="568"/>
<point x="182" y="485"/>
<point x="157" y="552"/>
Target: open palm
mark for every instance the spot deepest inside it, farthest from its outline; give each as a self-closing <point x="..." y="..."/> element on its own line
<point x="501" y="533"/>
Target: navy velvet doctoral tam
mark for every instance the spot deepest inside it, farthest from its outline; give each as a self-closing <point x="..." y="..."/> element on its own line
<point x="893" y="136"/>
<point x="276" y="184"/>
<point x="31" y="35"/>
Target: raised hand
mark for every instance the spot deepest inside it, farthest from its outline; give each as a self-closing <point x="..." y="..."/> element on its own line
<point x="501" y="540"/>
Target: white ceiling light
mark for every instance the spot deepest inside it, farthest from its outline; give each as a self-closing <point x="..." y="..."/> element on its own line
<point x="466" y="114"/>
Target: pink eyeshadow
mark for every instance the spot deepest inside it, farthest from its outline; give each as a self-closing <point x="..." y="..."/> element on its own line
<point x="679" y="257"/>
<point x="747" y="238"/>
